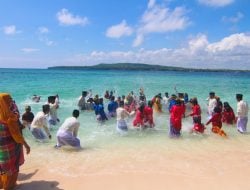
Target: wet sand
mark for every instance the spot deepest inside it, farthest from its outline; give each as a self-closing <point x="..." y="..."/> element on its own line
<point x="224" y="166"/>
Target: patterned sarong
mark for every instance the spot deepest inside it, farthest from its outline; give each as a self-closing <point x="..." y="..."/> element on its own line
<point x="11" y="155"/>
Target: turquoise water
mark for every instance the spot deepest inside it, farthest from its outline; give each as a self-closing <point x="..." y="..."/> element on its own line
<point x="23" y="83"/>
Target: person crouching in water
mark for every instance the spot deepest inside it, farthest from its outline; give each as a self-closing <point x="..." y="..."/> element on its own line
<point x="216" y="122"/>
<point x="176" y="114"/>
<point x="67" y="133"/>
<point x="121" y="114"/>
<point x="198" y="126"/>
<point x="39" y="123"/>
<point x="228" y="115"/>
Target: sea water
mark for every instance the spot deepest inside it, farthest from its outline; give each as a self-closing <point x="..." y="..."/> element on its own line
<point x="100" y="141"/>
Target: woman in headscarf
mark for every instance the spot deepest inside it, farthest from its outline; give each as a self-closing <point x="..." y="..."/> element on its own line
<point x="11" y="141"/>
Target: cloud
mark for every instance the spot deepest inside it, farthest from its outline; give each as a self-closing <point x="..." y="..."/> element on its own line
<point x="159" y="19"/>
<point x="29" y="50"/>
<point x="151" y="3"/>
<point x="233" y="19"/>
<point x="138" y="40"/>
<point x="119" y="30"/>
<point x="43" y="30"/>
<point x="10" y="30"/>
<point x="198" y="43"/>
<point x="216" y="3"/>
<point x="231" y="52"/>
<point x="231" y="43"/>
<point x="67" y="19"/>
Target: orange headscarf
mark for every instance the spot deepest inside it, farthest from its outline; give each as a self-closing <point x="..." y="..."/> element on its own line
<point x="10" y="115"/>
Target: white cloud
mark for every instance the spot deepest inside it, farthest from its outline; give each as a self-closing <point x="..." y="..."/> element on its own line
<point x="159" y="19"/>
<point x="48" y="42"/>
<point x="216" y="3"/>
<point x="233" y="19"/>
<point x="198" y="43"/>
<point x="231" y="43"/>
<point x="10" y="30"/>
<point x="138" y="40"/>
<point x="119" y="30"/>
<point x="43" y="30"/>
<point x="151" y="3"/>
<point x="232" y="52"/>
<point x="66" y="18"/>
<point x="29" y="50"/>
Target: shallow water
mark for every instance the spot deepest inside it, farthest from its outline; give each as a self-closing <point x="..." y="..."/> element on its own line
<point x="101" y="142"/>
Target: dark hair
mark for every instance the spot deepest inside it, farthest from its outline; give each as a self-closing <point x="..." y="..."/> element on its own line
<point x="150" y="103"/>
<point x="227" y="107"/>
<point x="226" y="104"/>
<point x="196" y="119"/>
<point x="76" y="113"/>
<point x="121" y="103"/>
<point x="112" y="98"/>
<point x="84" y="93"/>
<point x="217" y="109"/>
<point x="211" y="93"/>
<point x="239" y="96"/>
<point x="51" y="99"/>
<point x="194" y="101"/>
<point x="178" y="101"/>
<point x="46" y="108"/>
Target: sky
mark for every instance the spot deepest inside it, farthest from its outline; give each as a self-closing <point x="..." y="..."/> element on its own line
<point x="182" y="33"/>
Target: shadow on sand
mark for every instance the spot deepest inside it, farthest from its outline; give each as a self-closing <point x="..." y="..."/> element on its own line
<point x="39" y="185"/>
<point x="23" y="177"/>
<point x="35" y="185"/>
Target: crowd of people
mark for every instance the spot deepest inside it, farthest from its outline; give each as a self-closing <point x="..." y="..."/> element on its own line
<point x="142" y="111"/>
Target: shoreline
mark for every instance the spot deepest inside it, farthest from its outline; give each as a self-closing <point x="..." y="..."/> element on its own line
<point x="226" y="167"/>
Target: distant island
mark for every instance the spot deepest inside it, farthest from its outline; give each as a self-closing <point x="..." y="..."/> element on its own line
<point x="139" y="67"/>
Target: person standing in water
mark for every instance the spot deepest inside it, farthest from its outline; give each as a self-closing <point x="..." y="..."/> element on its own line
<point x="176" y="114"/>
<point x="212" y="103"/>
<point x="242" y="114"/>
<point x="27" y="117"/>
<point x="121" y="115"/>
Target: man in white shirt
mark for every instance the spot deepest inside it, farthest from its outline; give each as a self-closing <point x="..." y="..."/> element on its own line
<point x="53" y="119"/>
<point x="212" y="102"/>
<point x="242" y="114"/>
<point x="67" y="133"/>
<point x="39" y="125"/>
<point x="82" y="101"/>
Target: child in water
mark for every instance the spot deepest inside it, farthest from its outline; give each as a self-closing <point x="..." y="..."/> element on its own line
<point x="216" y="122"/>
<point x="176" y="114"/>
<point x="228" y="115"/>
<point x="198" y="126"/>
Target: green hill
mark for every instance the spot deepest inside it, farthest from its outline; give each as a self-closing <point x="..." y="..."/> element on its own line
<point x="138" y="67"/>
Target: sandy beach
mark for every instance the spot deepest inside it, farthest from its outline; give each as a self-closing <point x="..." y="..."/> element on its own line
<point x="138" y="167"/>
